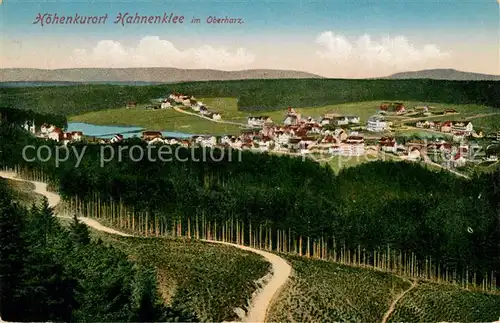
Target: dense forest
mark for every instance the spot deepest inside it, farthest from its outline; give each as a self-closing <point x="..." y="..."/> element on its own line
<point x="253" y="94"/>
<point x="53" y="273"/>
<point x="20" y="117"/>
<point x="436" y="218"/>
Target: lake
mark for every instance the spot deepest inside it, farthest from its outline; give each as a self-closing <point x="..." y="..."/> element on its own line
<point x="107" y="132"/>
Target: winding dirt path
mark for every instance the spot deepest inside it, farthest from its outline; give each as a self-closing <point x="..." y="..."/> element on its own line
<point x="262" y="300"/>
<point x="396" y="300"/>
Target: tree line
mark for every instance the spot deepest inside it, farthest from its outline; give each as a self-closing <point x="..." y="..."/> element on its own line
<point x="253" y="95"/>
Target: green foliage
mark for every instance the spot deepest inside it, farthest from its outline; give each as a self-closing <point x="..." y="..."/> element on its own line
<point x="79" y="232"/>
<point x="253" y="95"/>
<point x="204" y="279"/>
<point x="48" y="273"/>
<point x="374" y="205"/>
<point x="437" y="303"/>
<point x="322" y="291"/>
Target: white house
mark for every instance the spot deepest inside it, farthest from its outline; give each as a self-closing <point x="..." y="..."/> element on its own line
<point x="353" y="146"/>
<point x="325" y="121"/>
<point x="353" y="119"/>
<point x="165" y="105"/>
<point x="116" y="138"/>
<point x="283" y="138"/>
<point x="216" y="116"/>
<point x="157" y="140"/>
<point x="462" y="126"/>
<point x="414" y="154"/>
<point x="377" y="124"/>
<point x="196" y="108"/>
<point x="291" y="120"/>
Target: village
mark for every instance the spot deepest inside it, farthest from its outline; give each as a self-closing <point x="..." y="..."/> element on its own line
<point x="322" y="137"/>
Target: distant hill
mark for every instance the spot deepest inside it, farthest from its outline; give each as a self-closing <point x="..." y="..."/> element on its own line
<point x="141" y="75"/>
<point x="445" y="74"/>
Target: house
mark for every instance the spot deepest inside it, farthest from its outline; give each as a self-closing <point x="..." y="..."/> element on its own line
<point x="206" y="141"/>
<point x="203" y="110"/>
<point x="340" y="121"/>
<point x="384" y="106"/>
<point x="283" y="138"/>
<point x="77" y="135"/>
<point x="46" y="129"/>
<point x="414" y="154"/>
<point x="131" y="104"/>
<point x="377" y="124"/>
<point x="353" y="146"/>
<point x="171" y="141"/>
<point x="258" y="121"/>
<point x="291" y="120"/>
<point x="196" y="108"/>
<point x="340" y="134"/>
<point x="150" y="135"/>
<point x="56" y="134"/>
<point x="388" y="144"/>
<point x="216" y="116"/>
<point x="446" y="126"/>
<point x="156" y="140"/>
<point x="267" y="131"/>
<point x="165" y="104"/>
<point x="116" y="138"/>
<point x="329" y="139"/>
<point x="458" y="136"/>
<point x="353" y="119"/>
<point x="462" y="126"/>
<point x="459" y="160"/>
<point x="325" y="121"/>
<point x="306" y="142"/>
<point x="450" y="111"/>
<point x="400" y="109"/>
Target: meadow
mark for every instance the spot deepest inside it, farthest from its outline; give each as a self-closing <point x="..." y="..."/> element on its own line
<point x="160" y="120"/>
<point x="322" y="291"/>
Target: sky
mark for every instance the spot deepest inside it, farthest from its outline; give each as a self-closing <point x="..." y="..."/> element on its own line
<point x="332" y="38"/>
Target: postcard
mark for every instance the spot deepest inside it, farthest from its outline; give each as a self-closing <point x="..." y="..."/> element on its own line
<point x="250" y="161"/>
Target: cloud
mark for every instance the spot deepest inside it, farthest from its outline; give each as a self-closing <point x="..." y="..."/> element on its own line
<point x="155" y="52"/>
<point x="388" y="54"/>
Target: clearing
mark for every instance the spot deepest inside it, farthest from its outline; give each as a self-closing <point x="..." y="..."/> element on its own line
<point x="322" y="291"/>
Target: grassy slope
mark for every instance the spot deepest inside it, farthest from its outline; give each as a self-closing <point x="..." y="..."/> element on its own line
<point x="164" y="120"/>
<point x="322" y="291"/>
<point x="326" y="292"/>
<point x="23" y="192"/>
<point x="431" y="302"/>
<point x="209" y="280"/>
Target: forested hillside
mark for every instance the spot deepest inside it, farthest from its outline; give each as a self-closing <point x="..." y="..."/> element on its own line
<point x="253" y="94"/>
<point x="51" y="273"/>
<point x="435" y="219"/>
